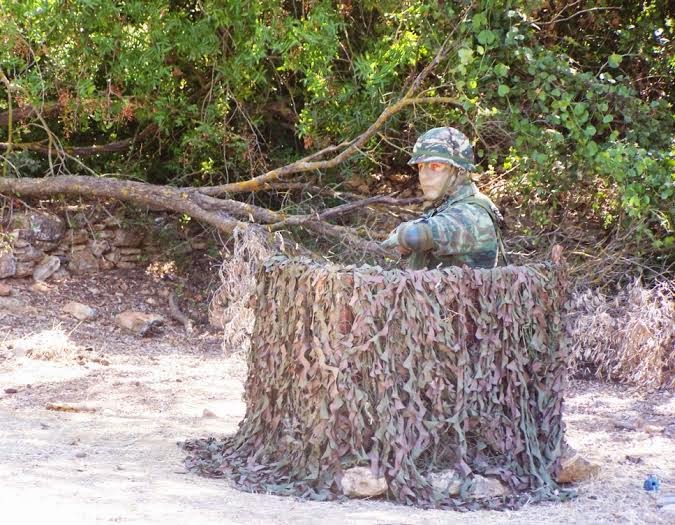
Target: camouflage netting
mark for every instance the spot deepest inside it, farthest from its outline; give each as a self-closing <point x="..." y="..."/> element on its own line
<point x="406" y="372"/>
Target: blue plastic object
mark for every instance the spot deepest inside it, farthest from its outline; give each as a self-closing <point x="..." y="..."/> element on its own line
<point x="652" y="483"/>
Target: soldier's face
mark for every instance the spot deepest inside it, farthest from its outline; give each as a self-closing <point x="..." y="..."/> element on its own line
<point x="435" y="178"/>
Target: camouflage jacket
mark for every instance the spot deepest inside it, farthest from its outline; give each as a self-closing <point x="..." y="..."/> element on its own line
<point x="464" y="229"/>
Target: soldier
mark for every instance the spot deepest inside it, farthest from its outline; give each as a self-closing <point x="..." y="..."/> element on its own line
<point x="462" y="225"/>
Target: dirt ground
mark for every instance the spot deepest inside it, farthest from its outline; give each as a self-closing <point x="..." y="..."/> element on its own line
<point x="116" y="458"/>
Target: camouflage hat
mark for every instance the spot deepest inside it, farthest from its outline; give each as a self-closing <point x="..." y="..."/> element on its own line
<point x="446" y="145"/>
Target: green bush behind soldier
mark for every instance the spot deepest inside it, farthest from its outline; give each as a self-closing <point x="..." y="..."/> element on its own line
<point x="461" y="226"/>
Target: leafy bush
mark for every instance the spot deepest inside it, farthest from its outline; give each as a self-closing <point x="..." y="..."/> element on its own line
<point x="570" y="103"/>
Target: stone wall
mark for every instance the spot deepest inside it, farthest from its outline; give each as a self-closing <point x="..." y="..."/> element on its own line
<point x="45" y="245"/>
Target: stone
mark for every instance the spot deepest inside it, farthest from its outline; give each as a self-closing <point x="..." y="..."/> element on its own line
<point x="130" y="251"/>
<point x="99" y="247"/>
<point x="60" y="275"/>
<point x="128" y="238"/>
<point x="105" y="264"/>
<point x="127" y="265"/>
<point x="83" y="262"/>
<point x="669" y="509"/>
<point x="208" y="414"/>
<point x="24" y="269"/>
<point x="139" y="323"/>
<point x="15" y="306"/>
<point x="574" y="468"/>
<point x="77" y="236"/>
<point x="7" y="265"/>
<point x="39" y="226"/>
<point x="488" y="488"/>
<point x="11" y="391"/>
<point x="113" y="256"/>
<point x="41" y="287"/>
<point x="360" y="482"/>
<point x="669" y="431"/>
<point x="446" y="482"/>
<point x="5" y="290"/>
<point x="29" y="254"/>
<point x="80" y="311"/>
<point x="46" y="268"/>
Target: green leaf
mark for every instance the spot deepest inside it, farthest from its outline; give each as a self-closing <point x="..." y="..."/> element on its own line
<point x="501" y="70"/>
<point x="503" y="90"/>
<point x="487" y="37"/>
<point x="614" y="60"/>
<point x="465" y="55"/>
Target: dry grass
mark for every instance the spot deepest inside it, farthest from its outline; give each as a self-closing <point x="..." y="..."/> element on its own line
<point x="47" y="345"/>
<point x="627" y="338"/>
<point x="230" y="308"/>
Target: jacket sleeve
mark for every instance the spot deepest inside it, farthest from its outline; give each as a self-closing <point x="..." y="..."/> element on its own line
<point x="461" y="229"/>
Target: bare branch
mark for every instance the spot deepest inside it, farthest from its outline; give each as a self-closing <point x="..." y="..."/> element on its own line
<point x="304" y="165"/>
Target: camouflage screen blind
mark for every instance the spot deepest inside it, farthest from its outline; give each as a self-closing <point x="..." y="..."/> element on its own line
<point x="405" y="372"/>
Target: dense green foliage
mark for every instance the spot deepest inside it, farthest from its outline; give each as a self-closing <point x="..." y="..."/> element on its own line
<point x="569" y="103"/>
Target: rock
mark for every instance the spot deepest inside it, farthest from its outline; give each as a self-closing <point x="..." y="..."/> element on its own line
<point x="669" y="509"/>
<point x="24" y="269"/>
<point x="99" y="247"/>
<point x="128" y="238"/>
<point x="60" y="275"/>
<point x="669" y="431"/>
<point x="41" y="287"/>
<point x="46" y="268"/>
<point x="5" y="290"/>
<point x="488" y="488"/>
<point x="360" y="482"/>
<point x="83" y="261"/>
<point x="79" y="311"/>
<point x="29" y="254"/>
<point x="7" y="265"/>
<point x="139" y="323"/>
<point x="575" y="468"/>
<point x="446" y="482"/>
<point x="127" y="265"/>
<point x="629" y="424"/>
<point x="11" y="391"/>
<point x="39" y="226"/>
<point x="81" y="455"/>
<point x="113" y="256"/>
<point x="77" y="236"/>
<point x="208" y="414"/>
<point x="105" y="264"/>
<point x="15" y="307"/>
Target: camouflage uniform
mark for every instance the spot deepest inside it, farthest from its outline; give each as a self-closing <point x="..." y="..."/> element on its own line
<point x="464" y="227"/>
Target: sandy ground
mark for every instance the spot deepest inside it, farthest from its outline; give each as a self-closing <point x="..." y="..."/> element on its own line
<point x="120" y="462"/>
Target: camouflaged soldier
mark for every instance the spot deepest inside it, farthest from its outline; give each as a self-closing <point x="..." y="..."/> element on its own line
<point x="462" y="226"/>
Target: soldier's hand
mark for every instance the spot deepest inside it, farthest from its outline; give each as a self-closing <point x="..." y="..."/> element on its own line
<point x="391" y="243"/>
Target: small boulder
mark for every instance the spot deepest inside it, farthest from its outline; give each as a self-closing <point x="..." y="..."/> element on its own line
<point x="83" y="261"/>
<point x="79" y="311"/>
<point x="488" y="488"/>
<point x="15" y="306"/>
<point x="208" y="414"/>
<point x="99" y="247"/>
<point x="41" y="287"/>
<point x="574" y="468"/>
<point x="7" y="265"/>
<point x="139" y="323"/>
<point x="360" y="482"/>
<point x="5" y="290"/>
<point x="446" y="482"/>
<point x="46" y="268"/>
<point x="24" y="269"/>
<point x="39" y="226"/>
<point x="128" y="238"/>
